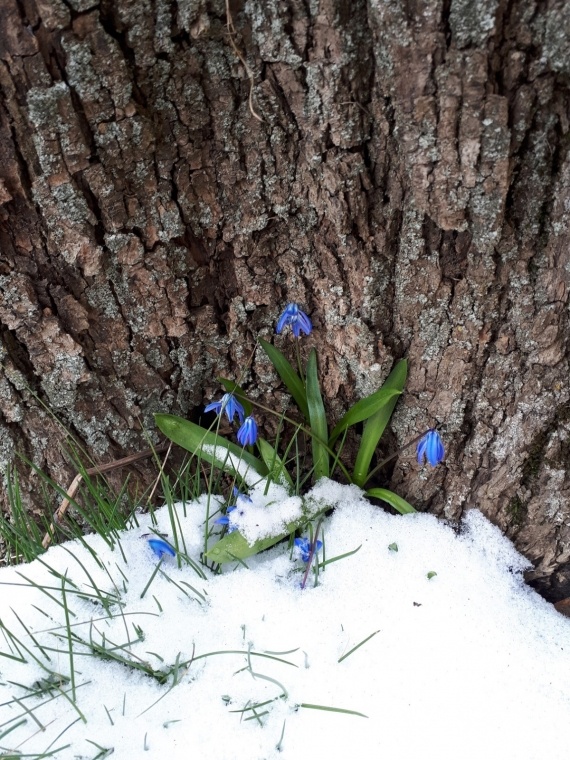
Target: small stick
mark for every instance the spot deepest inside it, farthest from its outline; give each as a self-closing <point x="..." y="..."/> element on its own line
<point x="98" y="470"/>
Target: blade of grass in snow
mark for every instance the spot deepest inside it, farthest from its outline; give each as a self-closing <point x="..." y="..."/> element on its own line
<point x="37" y="586"/>
<point x="344" y="656"/>
<point x="105" y="751"/>
<point x="29" y="712"/>
<point x="399" y="504"/>
<point x="333" y="709"/>
<point x="152" y="577"/>
<point x="339" y="556"/>
<point x="259" y="704"/>
<point x="12" y="728"/>
<point x="178" y="586"/>
<point x="103" y="599"/>
<point x="61" y="733"/>
<point x="30" y="634"/>
<point x="246" y="652"/>
<point x="70" y="643"/>
<point x="279" y="744"/>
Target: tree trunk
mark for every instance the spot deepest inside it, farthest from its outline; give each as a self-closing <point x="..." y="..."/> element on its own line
<point x="173" y="174"/>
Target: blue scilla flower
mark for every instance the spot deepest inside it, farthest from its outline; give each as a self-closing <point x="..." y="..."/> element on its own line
<point x="431" y="447"/>
<point x="228" y="404"/>
<point x="237" y="495"/>
<point x="304" y="547"/>
<point x="247" y="434"/>
<point x="160" y="547"/>
<point x="298" y="320"/>
<point x="227" y="520"/>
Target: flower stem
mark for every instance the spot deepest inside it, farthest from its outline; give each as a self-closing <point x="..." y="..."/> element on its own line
<point x="298" y="354"/>
<point x="308" y="432"/>
<point x="311" y="553"/>
<point x="392" y="456"/>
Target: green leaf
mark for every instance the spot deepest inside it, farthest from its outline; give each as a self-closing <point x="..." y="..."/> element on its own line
<point x="399" y="504"/>
<point x="238" y="392"/>
<point x="317" y="419"/>
<point x="393" y="547"/>
<point x="376" y="424"/>
<point x="234" y="546"/>
<point x="364" y="409"/>
<point x="193" y="438"/>
<point x="431" y="575"/>
<point x="291" y="379"/>
<point x="274" y="464"/>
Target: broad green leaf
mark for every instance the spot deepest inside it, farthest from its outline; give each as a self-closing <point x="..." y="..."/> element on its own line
<point x="234" y="546"/>
<point x="317" y="419"/>
<point x="238" y="392"/>
<point x="292" y="381"/>
<point x="364" y="409"/>
<point x="399" y="504"/>
<point x="274" y="464"/>
<point x="376" y="424"/>
<point x="193" y="438"/>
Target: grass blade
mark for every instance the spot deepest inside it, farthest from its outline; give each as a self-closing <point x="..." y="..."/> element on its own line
<point x="376" y="424"/>
<point x="317" y="419"/>
<point x="399" y="504"/>
<point x="363" y="410"/>
<point x="350" y="651"/>
<point x="290" y="378"/>
<point x="333" y="709"/>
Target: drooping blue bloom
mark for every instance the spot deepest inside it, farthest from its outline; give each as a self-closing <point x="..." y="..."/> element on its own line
<point x="431" y="448"/>
<point x="247" y="434"/>
<point x="228" y="404"/>
<point x="160" y="547"/>
<point x="304" y="547"/>
<point x="296" y="318"/>
<point x="237" y="495"/>
<point x="227" y="520"/>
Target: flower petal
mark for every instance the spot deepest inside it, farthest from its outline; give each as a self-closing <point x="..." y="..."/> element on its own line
<point x="431" y="447"/>
<point x="160" y="547"/>
<point x="247" y="434"/>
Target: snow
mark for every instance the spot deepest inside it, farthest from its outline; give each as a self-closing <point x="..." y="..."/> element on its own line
<point x="469" y="663"/>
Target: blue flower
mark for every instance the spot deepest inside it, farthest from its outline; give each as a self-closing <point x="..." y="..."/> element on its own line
<point x="227" y="520"/>
<point x="247" y="434"/>
<point x="238" y="495"/>
<point x="160" y="547"/>
<point x="228" y="404"/>
<point x="298" y="320"/>
<point x="304" y="547"/>
<point x="431" y="447"/>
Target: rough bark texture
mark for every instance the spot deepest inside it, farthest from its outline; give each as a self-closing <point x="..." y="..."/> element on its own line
<point x="409" y="185"/>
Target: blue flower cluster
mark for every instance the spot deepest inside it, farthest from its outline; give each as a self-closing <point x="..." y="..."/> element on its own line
<point x="228" y="404"/>
<point x="228" y="518"/>
<point x="247" y="434"/>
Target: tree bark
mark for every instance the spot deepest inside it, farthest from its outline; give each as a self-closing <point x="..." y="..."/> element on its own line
<point x="171" y="175"/>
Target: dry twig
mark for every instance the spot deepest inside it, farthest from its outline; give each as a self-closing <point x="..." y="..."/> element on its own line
<point x="98" y="470"/>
